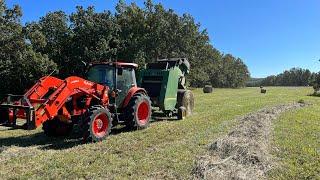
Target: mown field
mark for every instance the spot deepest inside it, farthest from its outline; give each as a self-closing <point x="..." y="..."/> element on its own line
<point x="297" y="144"/>
<point x="168" y="149"/>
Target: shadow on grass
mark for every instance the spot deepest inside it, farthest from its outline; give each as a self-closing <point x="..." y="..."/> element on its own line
<point x="58" y="143"/>
<point x="160" y="116"/>
<point x="41" y="140"/>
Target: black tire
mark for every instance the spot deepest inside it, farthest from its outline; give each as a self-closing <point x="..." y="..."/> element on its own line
<point x="207" y="89"/>
<point x="4" y="115"/>
<point x="138" y="112"/>
<point x="182" y="112"/>
<point x="97" y="124"/>
<point x="186" y="99"/>
<point x="56" y="128"/>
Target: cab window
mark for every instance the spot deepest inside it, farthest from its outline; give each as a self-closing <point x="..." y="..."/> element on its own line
<point x="102" y="74"/>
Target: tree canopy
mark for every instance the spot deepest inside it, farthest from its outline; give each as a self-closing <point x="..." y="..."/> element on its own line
<point x="292" y="77"/>
<point x="58" y="41"/>
<point x="20" y="64"/>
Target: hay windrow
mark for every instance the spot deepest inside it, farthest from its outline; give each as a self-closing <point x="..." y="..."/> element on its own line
<point x="244" y="152"/>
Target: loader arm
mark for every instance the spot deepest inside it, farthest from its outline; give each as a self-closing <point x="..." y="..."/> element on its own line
<point x="48" y="97"/>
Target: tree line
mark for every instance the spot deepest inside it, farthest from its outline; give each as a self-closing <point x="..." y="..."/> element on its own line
<point x="292" y="77"/>
<point x="58" y="43"/>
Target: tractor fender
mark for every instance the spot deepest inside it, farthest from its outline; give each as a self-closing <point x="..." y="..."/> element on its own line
<point x="134" y="90"/>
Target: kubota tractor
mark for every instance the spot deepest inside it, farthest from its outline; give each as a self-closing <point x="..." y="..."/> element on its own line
<point x="108" y="97"/>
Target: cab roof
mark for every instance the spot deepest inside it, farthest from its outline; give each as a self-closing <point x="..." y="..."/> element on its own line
<point x="119" y="64"/>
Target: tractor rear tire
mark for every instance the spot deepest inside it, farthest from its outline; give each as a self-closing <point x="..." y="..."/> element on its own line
<point x="97" y="124"/>
<point x="138" y="112"/>
<point x="186" y="99"/>
<point x="4" y="115"/>
<point x="56" y="128"/>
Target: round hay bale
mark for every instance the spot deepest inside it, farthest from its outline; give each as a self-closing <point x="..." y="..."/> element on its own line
<point x="207" y="89"/>
<point x="263" y="91"/>
<point x="316" y="92"/>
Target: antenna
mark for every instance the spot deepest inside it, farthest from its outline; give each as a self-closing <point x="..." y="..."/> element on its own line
<point x="52" y="73"/>
<point x="48" y="75"/>
<point x="84" y="63"/>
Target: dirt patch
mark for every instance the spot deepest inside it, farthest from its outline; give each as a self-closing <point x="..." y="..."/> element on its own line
<point x="244" y="152"/>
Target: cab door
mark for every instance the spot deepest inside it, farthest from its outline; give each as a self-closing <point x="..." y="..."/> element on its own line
<point x="125" y="81"/>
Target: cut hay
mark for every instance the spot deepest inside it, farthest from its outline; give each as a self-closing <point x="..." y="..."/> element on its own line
<point x="244" y="152"/>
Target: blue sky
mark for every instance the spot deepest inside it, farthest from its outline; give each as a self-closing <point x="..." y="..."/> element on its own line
<point x="270" y="35"/>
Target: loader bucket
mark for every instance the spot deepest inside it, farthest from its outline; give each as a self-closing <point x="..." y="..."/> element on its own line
<point x="13" y="107"/>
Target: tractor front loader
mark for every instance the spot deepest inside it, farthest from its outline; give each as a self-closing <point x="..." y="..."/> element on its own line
<point x="110" y="96"/>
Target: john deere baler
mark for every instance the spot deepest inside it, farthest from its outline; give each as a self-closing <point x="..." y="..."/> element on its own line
<point x="164" y="81"/>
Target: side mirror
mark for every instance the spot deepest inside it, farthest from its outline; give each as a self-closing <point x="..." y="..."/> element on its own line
<point x="120" y="71"/>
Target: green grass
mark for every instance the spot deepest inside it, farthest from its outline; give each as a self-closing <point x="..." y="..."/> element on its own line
<point x="167" y="149"/>
<point x="297" y="138"/>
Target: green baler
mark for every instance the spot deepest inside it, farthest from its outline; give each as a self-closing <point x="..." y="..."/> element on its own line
<point x="164" y="81"/>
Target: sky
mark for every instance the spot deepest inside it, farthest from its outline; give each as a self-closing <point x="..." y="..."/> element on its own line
<point x="270" y="36"/>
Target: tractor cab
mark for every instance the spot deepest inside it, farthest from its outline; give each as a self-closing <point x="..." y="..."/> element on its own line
<point x="127" y="102"/>
<point x="119" y="77"/>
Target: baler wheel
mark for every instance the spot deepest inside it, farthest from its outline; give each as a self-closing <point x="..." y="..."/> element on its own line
<point x="182" y="113"/>
<point x="186" y="99"/>
<point x="97" y="125"/>
<point x="56" y="128"/>
<point x="138" y="112"/>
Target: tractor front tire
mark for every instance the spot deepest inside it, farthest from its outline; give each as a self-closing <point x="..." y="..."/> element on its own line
<point x="138" y="112"/>
<point x="56" y="128"/>
<point x="186" y="99"/>
<point x="97" y="125"/>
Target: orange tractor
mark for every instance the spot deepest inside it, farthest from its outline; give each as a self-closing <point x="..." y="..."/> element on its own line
<point x="108" y="97"/>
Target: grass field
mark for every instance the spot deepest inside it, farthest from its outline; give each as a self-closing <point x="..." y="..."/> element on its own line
<point x="168" y="149"/>
<point x="297" y="142"/>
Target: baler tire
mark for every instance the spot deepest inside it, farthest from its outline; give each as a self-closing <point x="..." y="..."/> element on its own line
<point x="181" y="113"/>
<point x="97" y="125"/>
<point x="56" y="128"/>
<point x="138" y="112"/>
<point x="186" y="99"/>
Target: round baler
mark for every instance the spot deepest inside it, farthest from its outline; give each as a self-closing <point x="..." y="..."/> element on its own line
<point x="165" y="83"/>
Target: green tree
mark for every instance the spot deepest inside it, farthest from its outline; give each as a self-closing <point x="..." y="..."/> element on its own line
<point x="132" y="34"/>
<point x="20" y="65"/>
